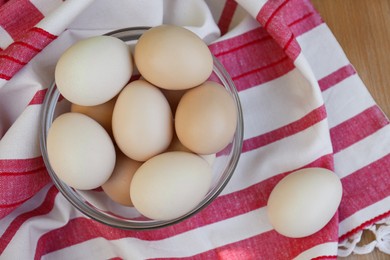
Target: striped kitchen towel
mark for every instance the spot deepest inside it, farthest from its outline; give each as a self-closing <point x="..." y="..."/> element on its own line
<point x="303" y="104"/>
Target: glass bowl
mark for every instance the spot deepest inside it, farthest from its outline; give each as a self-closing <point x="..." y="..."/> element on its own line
<point x="95" y="203"/>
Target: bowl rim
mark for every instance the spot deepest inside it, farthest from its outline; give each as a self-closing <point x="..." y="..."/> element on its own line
<point x="47" y="115"/>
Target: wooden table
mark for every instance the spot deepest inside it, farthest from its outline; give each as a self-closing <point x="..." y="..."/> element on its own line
<point x="362" y="28"/>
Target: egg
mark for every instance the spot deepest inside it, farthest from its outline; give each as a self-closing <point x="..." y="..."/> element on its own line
<point x="304" y="201"/>
<point x="101" y="113"/>
<point x="170" y="184"/>
<point x="173" y="97"/>
<point x="206" y="118"/>
<point x="93" y="70"/>
<point x="80" y="151"/>
<point x="172" y="57"/>
<point x="117" y="187"/>
<point x="142" y="121"/>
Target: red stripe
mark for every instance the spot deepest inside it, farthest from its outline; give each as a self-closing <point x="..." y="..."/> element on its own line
<point x="301" y="19"/>
<point x="365" y="186"/>
<point x="288" y="43"/>
<point x="38" y="97"/>
<point x="13" y="174"/>
<point x="336" y="77"/>
<point x="293" y="48"/>
<point x="44" y="33"/>
<point x="325" y="257"/>
<point x="246" y="44"/>
<point x="275" y="12"/>
<point x="227" y="16"/>
<point x="14" y="12"/>
<point x="24" y="49"/>
<point x="238" y="42"/>
<point x="46" y="206"/>
<point x="17" y="189"/>
<point x="16" y="175"/>
<point x="9" y="58"/>
<point x="4" y="76"/>
<point x="295" y="127"/>
<point x="27" y="45"/>
<point x="256" y="70"/>
<point x="276" y="17"/>
<point x="240" y="202"/>
<point x="357" y="128"/>
<point x="21" y="165"/>
<point x="265" y="58"/>
<point x="364" y="225"/>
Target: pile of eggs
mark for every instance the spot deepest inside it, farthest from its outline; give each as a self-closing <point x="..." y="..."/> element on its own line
<point x="148" y="143"/>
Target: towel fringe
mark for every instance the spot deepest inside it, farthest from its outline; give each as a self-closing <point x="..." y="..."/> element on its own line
<point x="381" y="240"/>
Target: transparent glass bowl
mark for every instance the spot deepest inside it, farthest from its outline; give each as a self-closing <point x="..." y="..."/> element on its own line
<point x="95" y="203"/>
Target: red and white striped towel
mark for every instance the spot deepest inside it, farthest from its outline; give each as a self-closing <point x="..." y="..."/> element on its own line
<point x="303" y="104"/>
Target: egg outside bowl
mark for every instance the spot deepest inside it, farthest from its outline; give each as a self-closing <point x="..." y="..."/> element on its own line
<point x="95" y="203"/>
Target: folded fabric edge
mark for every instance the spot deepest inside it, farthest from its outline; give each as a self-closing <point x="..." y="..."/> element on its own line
<point x="379" y="226"/>
<point x="22" y="50"/>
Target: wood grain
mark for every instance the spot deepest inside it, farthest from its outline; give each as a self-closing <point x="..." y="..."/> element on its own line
<point x="363" y="30"/>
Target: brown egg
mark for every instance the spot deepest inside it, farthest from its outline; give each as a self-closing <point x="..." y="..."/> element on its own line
<point x="101" y="113"/>
<point x="173" y="97"/>
<point x="117" y="187"/>
<point x="206" y="118"/>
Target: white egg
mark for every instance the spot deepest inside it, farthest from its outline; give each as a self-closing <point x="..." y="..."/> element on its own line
<point x="93" y="70"/>
<point x="80" y="151"/>
<point x="304" y="201"/>
<point x="170" y="185"/>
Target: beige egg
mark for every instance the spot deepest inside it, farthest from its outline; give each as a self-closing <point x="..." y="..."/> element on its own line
<point x="142" y="121"/>
<point x="93" y="70"/>
<point x="117" y="187"/>
<point x="80" y="151"/>
<point x="100" y="113"/>
<point x="170" y="185"/>
<point x="172" y="57"/>
<point x="206" y="118"/>
<point x="304" y="201"/>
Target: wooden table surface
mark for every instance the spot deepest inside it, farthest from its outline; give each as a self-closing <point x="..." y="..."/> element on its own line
<point x="362" y="28"/>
